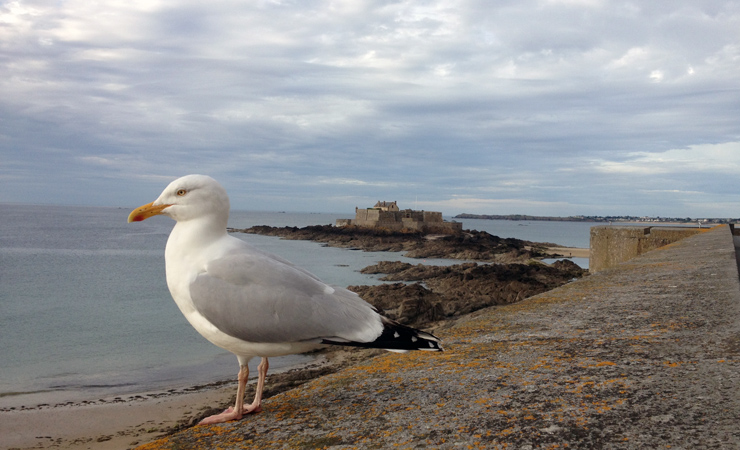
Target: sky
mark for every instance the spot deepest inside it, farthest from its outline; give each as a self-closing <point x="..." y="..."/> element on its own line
<point x="543" y="107"/>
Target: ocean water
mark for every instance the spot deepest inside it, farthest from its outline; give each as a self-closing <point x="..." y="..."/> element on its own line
<point x="85" y="312"/>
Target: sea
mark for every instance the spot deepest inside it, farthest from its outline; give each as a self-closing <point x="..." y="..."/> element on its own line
<point x="85" y="312"/>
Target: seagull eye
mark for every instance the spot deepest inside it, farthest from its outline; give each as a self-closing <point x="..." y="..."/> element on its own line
<point x="181" y="192"/>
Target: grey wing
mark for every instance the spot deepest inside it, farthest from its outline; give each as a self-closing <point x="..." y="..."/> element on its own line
<point x="257" y="298"/>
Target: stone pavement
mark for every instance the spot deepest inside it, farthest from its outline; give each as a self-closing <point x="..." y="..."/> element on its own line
<point x="644" y="355"/>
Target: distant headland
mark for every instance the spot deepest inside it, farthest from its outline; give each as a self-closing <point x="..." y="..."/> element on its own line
<point x="628" y="219"/>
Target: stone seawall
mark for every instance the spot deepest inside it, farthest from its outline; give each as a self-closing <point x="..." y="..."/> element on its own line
<point x="645" y="354"/>
<point x="611" y="245"/>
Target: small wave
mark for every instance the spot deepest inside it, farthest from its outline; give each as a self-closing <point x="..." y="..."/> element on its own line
<point x="107" y="386"/>
<point x="15" y="394"/>
<point x="80" y="252"/>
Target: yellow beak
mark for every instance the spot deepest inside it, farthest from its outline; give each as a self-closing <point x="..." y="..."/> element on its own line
<point x="145" y="212"/>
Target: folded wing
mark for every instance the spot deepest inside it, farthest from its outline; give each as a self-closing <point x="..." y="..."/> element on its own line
<point x="255" y="297"/>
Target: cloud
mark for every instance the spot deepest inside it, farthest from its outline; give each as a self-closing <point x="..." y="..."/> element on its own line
<point x="497" y="206"/>
<point x="706" y="158"/>
<point x="541" y="104"/>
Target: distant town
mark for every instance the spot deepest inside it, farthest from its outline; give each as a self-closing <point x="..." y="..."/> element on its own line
<point x="611" y="219"/>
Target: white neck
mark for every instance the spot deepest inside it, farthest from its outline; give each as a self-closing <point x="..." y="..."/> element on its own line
<point x="199" y="234"/>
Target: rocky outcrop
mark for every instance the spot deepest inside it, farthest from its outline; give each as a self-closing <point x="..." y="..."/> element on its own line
<point x="468" y="245"/>
<point x="424" y="294"/>
<point x="445" y="292"/>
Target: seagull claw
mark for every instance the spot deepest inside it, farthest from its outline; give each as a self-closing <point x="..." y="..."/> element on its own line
<point x="251" y="409"/>
<point x="226" y="416"/>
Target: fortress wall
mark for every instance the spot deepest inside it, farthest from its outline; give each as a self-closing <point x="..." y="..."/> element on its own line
<point x="387" y="217"/>
<point x="425" y="221"/>
<point x="366" y="217"/>
<point x="432" y="216"/>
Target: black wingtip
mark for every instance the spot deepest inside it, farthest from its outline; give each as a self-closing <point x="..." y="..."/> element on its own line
<point x="397" y="337"/>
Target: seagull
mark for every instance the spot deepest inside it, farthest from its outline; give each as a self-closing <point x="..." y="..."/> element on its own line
<point x="253" y="303"/>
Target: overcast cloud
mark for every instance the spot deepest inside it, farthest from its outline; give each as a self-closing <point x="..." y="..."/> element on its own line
<point x="553" y="107"/>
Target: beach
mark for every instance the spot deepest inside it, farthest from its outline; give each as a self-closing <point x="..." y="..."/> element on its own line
<point x="110" y="425"/>
<point x="569" y="252"/>
<point x="123" y="422"/>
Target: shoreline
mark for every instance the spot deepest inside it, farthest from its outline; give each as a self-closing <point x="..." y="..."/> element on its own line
<point x="469" y="245"/>
<point x="656" y="221"/>
<point x="121" y="422"/>
<point x="107" y="426"/>
<point x="569" y="252"/>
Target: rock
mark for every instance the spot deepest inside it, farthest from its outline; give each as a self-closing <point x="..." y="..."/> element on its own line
<point x="468" y="245"/>
<point x="411" y="304"/>
<point x="567" y="265"/>
<point x="451" y="291"/>
<point x="447" y="291"/>
<point x="386" y="267"/>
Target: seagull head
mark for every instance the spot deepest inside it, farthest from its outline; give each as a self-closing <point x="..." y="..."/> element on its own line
<point x="187" y="198"/>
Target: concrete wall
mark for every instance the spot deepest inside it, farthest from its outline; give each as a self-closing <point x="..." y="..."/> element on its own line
<point x="611" y="245"/>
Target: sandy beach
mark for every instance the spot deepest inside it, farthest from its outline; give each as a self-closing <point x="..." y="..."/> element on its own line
<point x="123" y="422"/>
<point x="110" y="425"/>
<point x="571" y="252"/>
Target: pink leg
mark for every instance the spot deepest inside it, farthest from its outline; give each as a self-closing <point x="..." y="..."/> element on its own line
<point x="256" y="405"/>
<point x="234" y="413"/>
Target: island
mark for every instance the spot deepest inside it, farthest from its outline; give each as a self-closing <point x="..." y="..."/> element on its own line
<point x="387" y="215"/>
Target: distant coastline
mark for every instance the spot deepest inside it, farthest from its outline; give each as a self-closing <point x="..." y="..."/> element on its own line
<point x="608" y="219"/>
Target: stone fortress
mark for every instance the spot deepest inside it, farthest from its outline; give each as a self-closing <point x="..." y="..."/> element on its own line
<point x="387" y="215"/>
